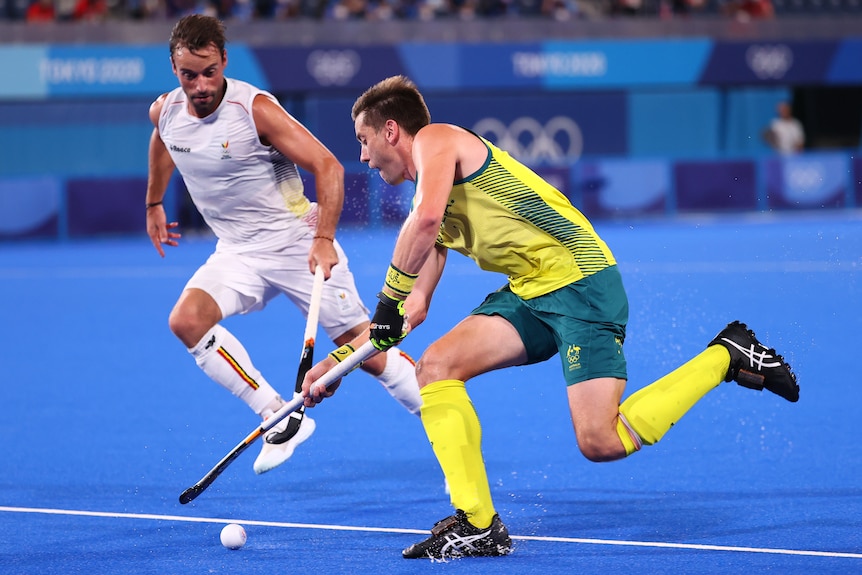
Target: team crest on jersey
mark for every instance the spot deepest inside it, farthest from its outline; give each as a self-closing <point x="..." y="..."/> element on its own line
<point x="225" y="152"/>
<point x="344" y="303"/>
<point x="573" y="355"/>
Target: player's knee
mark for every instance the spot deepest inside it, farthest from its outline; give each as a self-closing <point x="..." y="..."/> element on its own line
<point x="441" y="360"/>
<point x="423" y="371"/>
<point x="186" y="326"/>
<point x="175" y="322"/>
<point x="431" y="367"/>
<point x="599" y="446"/>
<point x="178" y="322"/>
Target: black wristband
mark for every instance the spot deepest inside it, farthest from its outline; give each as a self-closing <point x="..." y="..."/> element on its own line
<point x="154" y="204"/>
<point x="388" y="300"/>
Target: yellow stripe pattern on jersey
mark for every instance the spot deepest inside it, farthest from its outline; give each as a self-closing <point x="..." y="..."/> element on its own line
<point x="510" y="220"/>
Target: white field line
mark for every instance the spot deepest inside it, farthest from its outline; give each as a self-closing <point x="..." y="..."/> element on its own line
<point x="653" y="544"/>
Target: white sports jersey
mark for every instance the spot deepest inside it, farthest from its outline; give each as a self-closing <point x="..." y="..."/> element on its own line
<point x="250" y="195"/>
<point x="789" y="135"/>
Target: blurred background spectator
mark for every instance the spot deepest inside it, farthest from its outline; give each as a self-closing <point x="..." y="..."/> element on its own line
<point x="76" y="10"/>
<point x="560" y="10"/>
<point x="41" y="11"/>
<point x="91" y="10"/>
<point x="746" y="10"/>
<point x="785" y="133"/>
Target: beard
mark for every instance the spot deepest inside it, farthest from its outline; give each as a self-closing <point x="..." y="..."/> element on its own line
<point x="203" y="104"/>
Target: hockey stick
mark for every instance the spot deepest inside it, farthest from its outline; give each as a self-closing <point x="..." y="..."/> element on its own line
<point x="327" y="380"/>
<point x="305" y="363"/>
<point x="307" y="357"/>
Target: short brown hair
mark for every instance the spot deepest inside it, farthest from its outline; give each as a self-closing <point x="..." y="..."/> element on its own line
<point x="395" y="98"/>
<point x="196" y="32"/>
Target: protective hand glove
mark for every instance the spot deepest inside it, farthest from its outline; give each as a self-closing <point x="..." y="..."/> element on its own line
<point x="387" y="325"/>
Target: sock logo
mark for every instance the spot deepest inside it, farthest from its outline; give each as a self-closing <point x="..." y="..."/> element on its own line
<point x="210" y="343"/>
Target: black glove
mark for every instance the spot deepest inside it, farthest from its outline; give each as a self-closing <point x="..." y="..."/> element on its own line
<point x="387" y="325"/>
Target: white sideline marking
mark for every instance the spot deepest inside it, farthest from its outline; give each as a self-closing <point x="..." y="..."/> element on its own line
<point x="188" y="519"/>
<point x="656" y="544"/>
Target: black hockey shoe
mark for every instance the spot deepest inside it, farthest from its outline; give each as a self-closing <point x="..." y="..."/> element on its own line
<point x="755" y="366"/>
<point x="456" y="537"/>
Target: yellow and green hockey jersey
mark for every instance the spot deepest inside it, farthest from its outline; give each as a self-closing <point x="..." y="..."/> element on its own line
<point x="509" y="220"/>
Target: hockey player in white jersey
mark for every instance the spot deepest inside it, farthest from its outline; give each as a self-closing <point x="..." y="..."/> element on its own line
<point x="237" y="150"/>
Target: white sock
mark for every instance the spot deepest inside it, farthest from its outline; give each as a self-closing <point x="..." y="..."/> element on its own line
<point x="222" y="357"/>
<point x="399" y="379"/>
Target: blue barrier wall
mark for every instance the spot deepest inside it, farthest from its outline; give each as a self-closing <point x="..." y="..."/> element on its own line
<point x="625" y="128"/>
<point x="76" y="207"/>
<point x="51" y="71"/>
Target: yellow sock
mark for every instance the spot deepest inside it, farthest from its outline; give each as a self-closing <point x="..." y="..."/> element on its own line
<point x="650" y="412"/>
<point x="453" y="429"/>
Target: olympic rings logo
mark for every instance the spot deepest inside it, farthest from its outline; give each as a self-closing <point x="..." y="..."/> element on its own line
<point x="769" y="62"/>
<point x="805" y="176"/>
<point x="333" y="67"/>
<point x="527" y="140"/>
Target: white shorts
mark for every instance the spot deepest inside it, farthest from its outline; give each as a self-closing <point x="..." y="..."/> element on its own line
<point x="242" y="283"/>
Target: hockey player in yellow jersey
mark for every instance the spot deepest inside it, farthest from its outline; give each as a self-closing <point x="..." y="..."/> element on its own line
<point x="564" y="297"/>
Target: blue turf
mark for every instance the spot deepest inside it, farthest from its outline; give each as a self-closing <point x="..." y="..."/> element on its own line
<point x="102" y="410"/>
